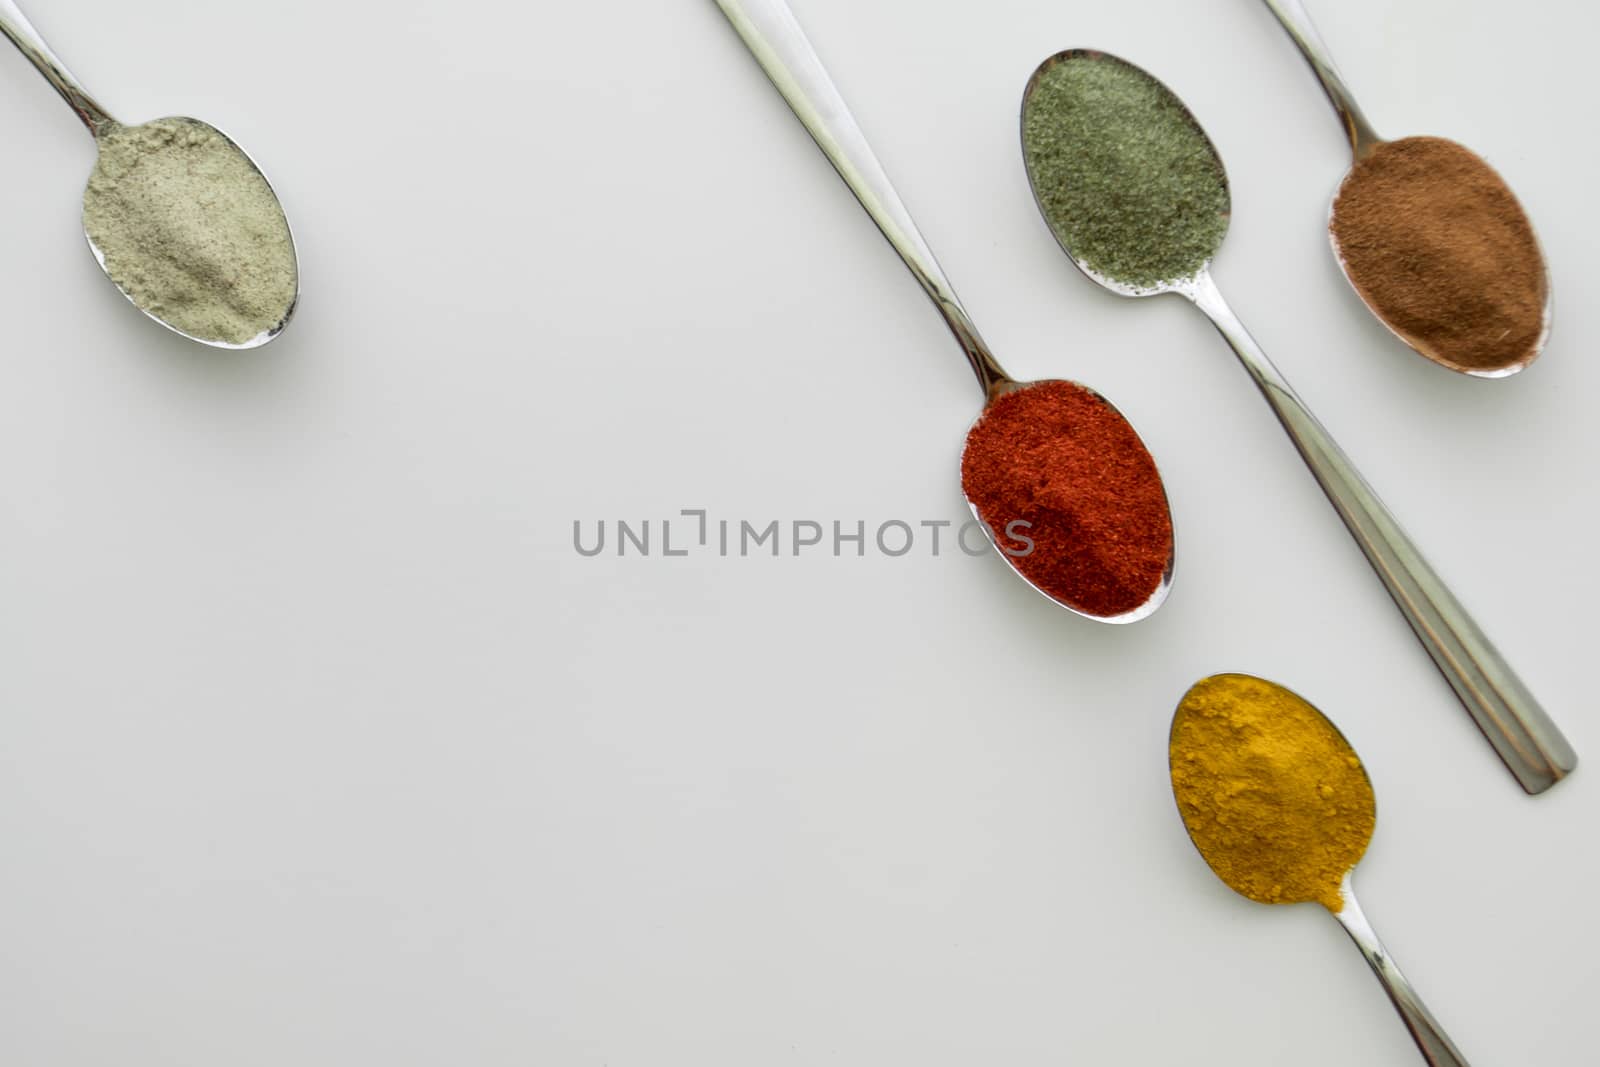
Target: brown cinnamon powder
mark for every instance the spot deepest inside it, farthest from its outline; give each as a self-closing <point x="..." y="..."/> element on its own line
<point x="1437" y="243"/>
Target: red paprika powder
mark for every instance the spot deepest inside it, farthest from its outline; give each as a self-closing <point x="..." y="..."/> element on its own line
<point x="1057" y="457"/>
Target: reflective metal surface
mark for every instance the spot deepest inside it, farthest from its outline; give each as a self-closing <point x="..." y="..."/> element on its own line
<point x="1434" y="1044"/>
<point x="769" y="30"/>
<point x="1518" y="727"/>
<point x="15" y="25"/>
<point x="1297" y="21"/>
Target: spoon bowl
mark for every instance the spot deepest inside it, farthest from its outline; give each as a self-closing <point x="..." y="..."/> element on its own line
<point x="1017" y="559"/>
<point x="1064" y="222"/>
<point x="1089" y="92"/>
<point x="773" y="36"/>
<point x="1407" y="322"/>
<point x="219" y="257"/>
<point x="1256" y="769"/>
<point x="213" y="259"/>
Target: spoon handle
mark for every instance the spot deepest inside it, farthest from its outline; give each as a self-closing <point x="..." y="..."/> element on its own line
<point x="15" y="25"/>
<point x="1519" y="729"/>
<point x="1434" y="1044"/>
<point x="1297" y="21"/>
<point x="770" y="31"/>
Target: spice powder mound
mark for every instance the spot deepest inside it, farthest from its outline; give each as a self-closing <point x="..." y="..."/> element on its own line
<point x="1272" y="794"/>
<point x="1127" y="180"/>
<point x="1057" y="457"/>
<point x="1437" y="243"/>
<point x="191" y="231"/>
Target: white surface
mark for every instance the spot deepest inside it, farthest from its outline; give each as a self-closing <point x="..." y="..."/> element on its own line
<point x="322" y="746"/>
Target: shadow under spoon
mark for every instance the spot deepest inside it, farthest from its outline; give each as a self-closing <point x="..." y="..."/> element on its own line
<point x="1452" y="191"/>
<point x="1183" y="226"/>
<point x="770" y="31"/>
<point x="203" y="291"/>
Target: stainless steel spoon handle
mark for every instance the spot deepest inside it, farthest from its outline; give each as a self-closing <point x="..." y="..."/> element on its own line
<point x="15" y="25"/>
<point x="771" y="33"/>
<point x="1297" y="21"/>
<point x="1519" y="729"/>
<point x="1435" y="1046"/>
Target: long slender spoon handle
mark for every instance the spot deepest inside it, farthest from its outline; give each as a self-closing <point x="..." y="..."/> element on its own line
<point x="1297" y="21"/>
<point x="1435" y="1046"/>
<point x="15" y="25"/>
<point x="771" y="33"/>
<point x="1519" y="729"/>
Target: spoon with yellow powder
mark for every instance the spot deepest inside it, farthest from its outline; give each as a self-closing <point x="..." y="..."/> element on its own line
<point x="178" y="217"/>
<point x="1281" y="808"/>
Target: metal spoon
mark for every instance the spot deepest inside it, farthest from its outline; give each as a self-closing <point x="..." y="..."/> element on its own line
<point x="1434" y="1044"/>
<point x="15" y="25"/>
<point x="1522" y="733"/>
<point x="769" y="29"/>
<point x="1294" y="17"/>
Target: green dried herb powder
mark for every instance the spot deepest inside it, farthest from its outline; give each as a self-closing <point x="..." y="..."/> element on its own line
<point x="191" y="231"/>
<point x="1125" y="177"/>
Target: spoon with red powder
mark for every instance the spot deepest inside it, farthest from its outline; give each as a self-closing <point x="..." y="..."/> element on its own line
<point x="1431" y="237"/>
<point x="1060" y="479"/>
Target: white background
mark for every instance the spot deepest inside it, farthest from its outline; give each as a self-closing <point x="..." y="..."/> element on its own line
<point x="322" y="746"/>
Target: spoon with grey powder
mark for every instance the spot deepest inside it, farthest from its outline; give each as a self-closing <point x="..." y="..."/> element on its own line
<point x="178" y="217"/>
<point x="1137" y="196"/>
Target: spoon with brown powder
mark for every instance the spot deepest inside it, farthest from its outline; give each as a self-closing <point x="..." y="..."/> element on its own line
<point x="181" y="220"/>
<point x="1280" y="807"/>
<point x="1071" y="495"/>
<point x="1431" y="237"/>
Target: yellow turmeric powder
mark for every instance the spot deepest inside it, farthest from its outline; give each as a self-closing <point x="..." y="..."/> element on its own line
<point x="1272" y="794"/>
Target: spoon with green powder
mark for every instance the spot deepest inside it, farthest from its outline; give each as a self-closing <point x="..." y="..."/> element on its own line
<point x="1431" y="238"/>
<point x="1138" y="198"/>
<point x="179" y="217"/>
<point x="1279" y="806"/>
<point x="1072" y="497"/>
